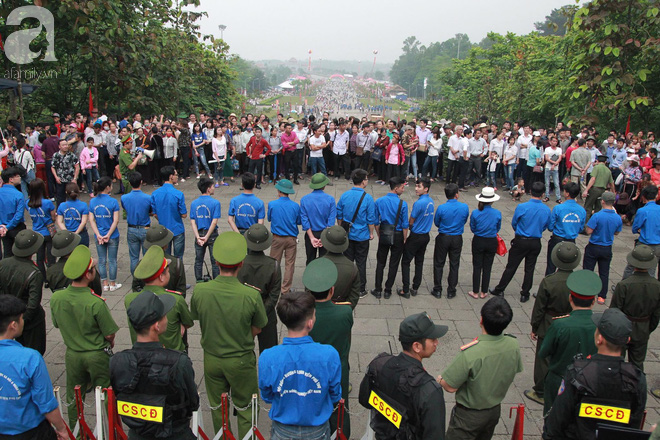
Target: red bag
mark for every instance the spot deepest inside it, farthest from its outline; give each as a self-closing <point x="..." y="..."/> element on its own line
<point x="501" y="246"/>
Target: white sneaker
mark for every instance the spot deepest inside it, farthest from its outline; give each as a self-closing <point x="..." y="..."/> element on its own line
<point x="182" y="180"/>
<point x="106" y="288"/>
<point x="199" y="175"/>
<point x="115" y="287"/>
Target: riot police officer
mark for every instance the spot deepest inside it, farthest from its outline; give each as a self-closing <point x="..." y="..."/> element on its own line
<point x="151" y="375"/>
<point x="64" y="242"/>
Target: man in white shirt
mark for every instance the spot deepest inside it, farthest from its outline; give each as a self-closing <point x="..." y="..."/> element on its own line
<point x="316" y="145"/>
<point x="477" y="147"/>
<point x="464" y="159"/>
<point x="339" y="149"/>
<point x="423" y="135"/>
<point x="523" y="143"/>
<point x="301" y="131"/>
<point x="553" y="158"/>
<point x="455" y="145"/>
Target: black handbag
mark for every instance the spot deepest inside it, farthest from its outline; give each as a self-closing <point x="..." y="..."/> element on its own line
<point x="387" y="231"/>
<point x="347" y="225"/>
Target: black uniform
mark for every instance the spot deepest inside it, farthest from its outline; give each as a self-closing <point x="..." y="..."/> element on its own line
<point x="598" y="381"/>
<point x="404" y="385"/>
<point x="151" y="375"/>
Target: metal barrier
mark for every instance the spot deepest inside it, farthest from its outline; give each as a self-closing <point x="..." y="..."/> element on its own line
<point x="519" y="425"/>
<point x="254" y="431"/>
<point x="85" y="431"/>
<point x="339" y="433"/>
<point x="116" y="430"/>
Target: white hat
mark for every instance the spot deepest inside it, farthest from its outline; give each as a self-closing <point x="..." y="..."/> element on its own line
<point x="487" y="195"/>
<point x="634" y="157"/>
<point x="630" y="150"/>
<point x="536" y="133"/>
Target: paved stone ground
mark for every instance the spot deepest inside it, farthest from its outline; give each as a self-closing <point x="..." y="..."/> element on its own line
<point x="377" y="321"/>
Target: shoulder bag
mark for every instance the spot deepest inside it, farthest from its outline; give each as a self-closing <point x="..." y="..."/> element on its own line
<point x="347" y="225"/>
<point x="387" y="231"/>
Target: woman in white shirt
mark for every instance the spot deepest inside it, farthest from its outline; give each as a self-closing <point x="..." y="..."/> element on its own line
<point x="497" y="145"/>
<point x="219" y="147"/>
<point x="23" y="157"/>
<point x="509" y="161"/>
<point x="434" y="146"/>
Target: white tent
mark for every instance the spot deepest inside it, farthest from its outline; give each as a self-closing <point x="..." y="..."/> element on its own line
<point x="285" y="85"/>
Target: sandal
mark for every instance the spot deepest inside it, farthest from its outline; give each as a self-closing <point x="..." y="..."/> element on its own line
<point x="483" y="295"/>
<point x="546" y="199"/>
<point x="473" y="295"/>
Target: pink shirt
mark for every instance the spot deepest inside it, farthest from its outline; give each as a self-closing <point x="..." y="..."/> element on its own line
<point x="89" y="158"/>
<point x="289" y="138"/>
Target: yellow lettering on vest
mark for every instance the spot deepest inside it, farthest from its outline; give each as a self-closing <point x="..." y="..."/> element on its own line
<point x="143" y="412"/>
<point x="610" y="413"/>
<point x="387" y="411"/>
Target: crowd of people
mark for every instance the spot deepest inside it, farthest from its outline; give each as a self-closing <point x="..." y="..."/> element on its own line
<point x="303" y="378"/>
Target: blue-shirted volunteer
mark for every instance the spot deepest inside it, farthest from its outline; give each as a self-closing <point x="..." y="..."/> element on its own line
<point x="73" y="214"/>
<point x="485" y="223"/>
<point x="284" y="218"/>
<point x="566" y="222"/>
<point x="450" y="218"/>
<point x="529" y="221"/>
<point x="169" y="206"/>
<point x="12" y="205"/>
<point x="246" y="209"/>
<point x="137" y="205"/>
<point x="104" y="218"/>
<point x="205" y="213"/>
<point x="318" y="211"/>
<point x="647" y="225"/>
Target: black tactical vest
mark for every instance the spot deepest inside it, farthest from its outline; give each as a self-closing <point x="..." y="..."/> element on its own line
<point x="396" y="382"/>
<point x="147" y="377"/>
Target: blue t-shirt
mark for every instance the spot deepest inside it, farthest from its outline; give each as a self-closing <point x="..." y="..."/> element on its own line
<point x="138" y="206"/>
<point x="169" y="204"/>
<point x="386" y="208"/>
<point x="531" y="218"/>
<point x="567" y="219"/>
<point x="534" y="153"/>
<point x="284" y="217"/>
<point x="422" y="212"/>
<point x="450" y="217"/>
<point x="104" y="207"/>
<point x="203" y="210"/>
<point x="73" y="212"/>
<point x="302" y="380"/>
<point x="605" y="223"/>
<point x="26" y="392"/>
<point x="348" y="203"/>
<point x="41" y="217"/>
<point x="486" y="223"/>
<point x="247" y="209"/>
<point x="198" y="138"/>
<point x="12" y="206"/>
<point x="317" y="211"/>
<point x="647" y="223"/>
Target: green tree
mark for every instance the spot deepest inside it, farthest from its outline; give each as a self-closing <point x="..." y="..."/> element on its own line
<point x="558" y="22"/>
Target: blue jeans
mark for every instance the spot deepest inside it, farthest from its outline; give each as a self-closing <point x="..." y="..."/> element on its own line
<point x="200" y="252"/>
<point x="510" y="171"/>
<point x="554" y="176"/>
<point x="218" y="175"/>
<point x="178" y="244"/>
<point x="491" y="179"/>
<point x="91" y="176"/>
<point x="202" y="159"/>
<point x="135" y="238"/>
<point x="279" y="431"/>
<point x="317" y="165"/>
<point x="432" y="162"/>
<point x="84" y="237"/>
<point x="411" y="162"/>
<point x="108" y="255"/>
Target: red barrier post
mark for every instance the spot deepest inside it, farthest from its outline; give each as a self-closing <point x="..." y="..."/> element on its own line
<point x="115" y="428"/>
<point x="340" y="420"/>
<point x="85" y="431"/>
<point x="519" y="425"/>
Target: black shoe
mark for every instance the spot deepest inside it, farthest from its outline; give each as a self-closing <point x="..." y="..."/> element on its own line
<point x="413" y="292"/>
<point x="295" y="182"/>
<point x="258" y="187"/>
<point x="436" y="293"/>
<point x="363" y="293"/>
<point x="451" y="295"/>
<point x="387" y="293"/>
<point x="377" y="293"/>
<point x="495" y="292"/>
<point x="403" y="293"/>
<point x="524" y="298"/>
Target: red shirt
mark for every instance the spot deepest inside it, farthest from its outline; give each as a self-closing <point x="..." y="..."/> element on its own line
<point x="255" y="149"/>
<point x="646" y="164"/>
<point x="569" y="150"/>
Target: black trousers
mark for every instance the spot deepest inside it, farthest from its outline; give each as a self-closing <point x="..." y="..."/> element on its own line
<point x="268" y="336"/>
<point x="601" y="255"/>
<point x="343" y="161"/>
<point x="256" y="167"/>
<point x="8" y="241"/>
<point x="290" y="165"/>
<point x="451" y="245"/>
<point x="483" y="254"/>
<point x="312" y="252"/>
<point x="358" y="251"/>
<point x="554" y="241"/>
<point x="43" y="431"/>
<point x="415" y="248"/>
<point x="522" y="248"/>
<point x="34" y="333"/>
<point x="463" y="166"/>
<point x="381" y="259"/>
<point x="453" y="169"/>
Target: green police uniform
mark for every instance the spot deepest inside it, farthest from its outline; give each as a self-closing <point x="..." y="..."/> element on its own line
<point x="57" y="281"/>
<point x="125" y="159"/>
<point x="84" y="321"/>
<point x="227" y="311"/>
<point x="347" y="287"/>
<point x="603" y="177"/>
<point x="482" y="373"/>
<point x="551" y="302"/>
<point x="177" y="281"/>
<point x="333" y="326"/>
<point x="20" y="277"/>
<point x="638" y="297"/>
<point x="569" y="336"/>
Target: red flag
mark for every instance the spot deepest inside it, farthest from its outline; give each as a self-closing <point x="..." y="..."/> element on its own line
<point x="628" y="126"/>
<point x="91" y="101"/>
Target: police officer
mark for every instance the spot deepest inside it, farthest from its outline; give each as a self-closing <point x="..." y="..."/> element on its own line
<point x="529" y="221"/>
<point x="392" y="231"/>
<point x="154" y="270"/>
<point x="570" y="336"/>
<point x="333" y="326"/>
<point x="264" y="274"/>
<point x="638" y="297"/>
<point x="151" y="375"/>
<point x="421" y="222"/>
<point x="604" y="377"/>
<point x="600" y="181"/>
<point x="566" y="222"/>
<point x="20" y="277"/>
<point x="347" y="287"/>
<point x="318" y="211"/>
<point x="403" y="384"/>
<point x="482" y="373"/>
<point x="551" y="301"/>
<point x="647" y="225"/>
<point x="86" y="325"/>
<point x="450" y="218"/>
<point x="602" y="227"/>
<point x="64" y="242"/>
<point x="160" y="236"/>
<point x="230" y="314"/>
<point x="12" y="209"/>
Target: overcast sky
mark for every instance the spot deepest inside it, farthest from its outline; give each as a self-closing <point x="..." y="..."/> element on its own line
<point x="352" y="30"/>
